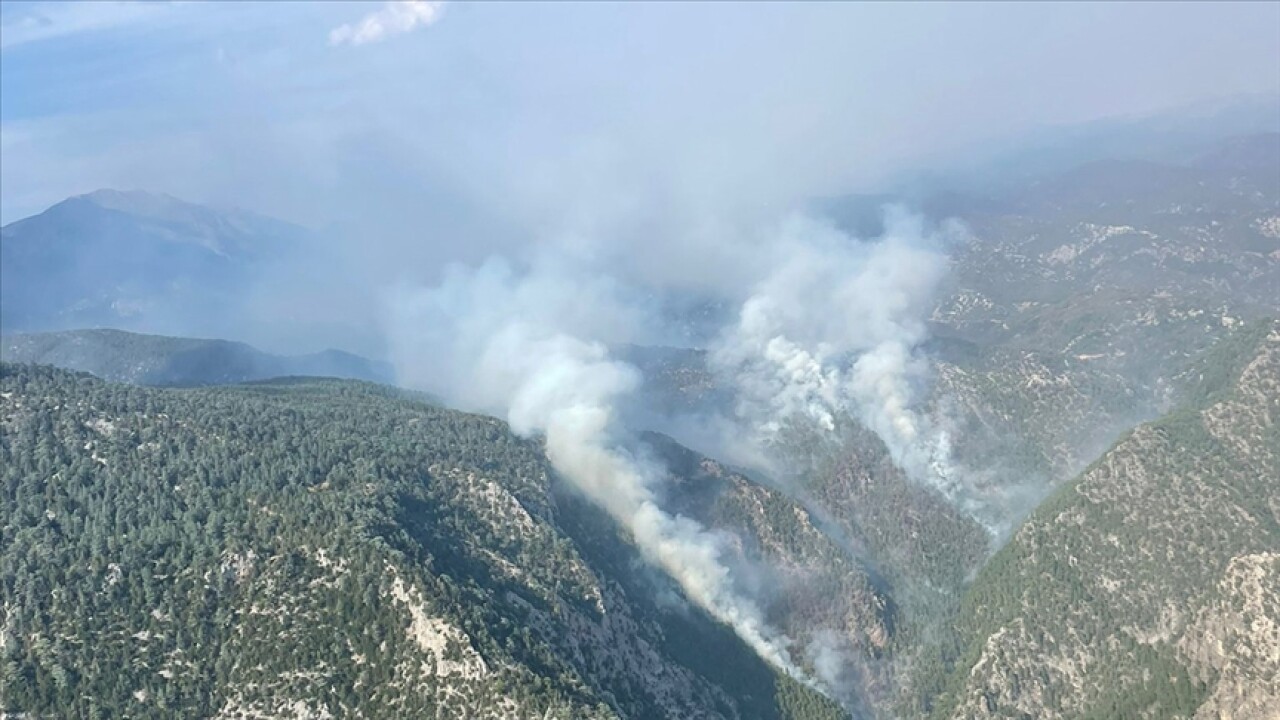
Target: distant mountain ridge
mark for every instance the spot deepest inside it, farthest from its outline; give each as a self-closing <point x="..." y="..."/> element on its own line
<point x="163" y="361"/>
<point x="133" y="259"/>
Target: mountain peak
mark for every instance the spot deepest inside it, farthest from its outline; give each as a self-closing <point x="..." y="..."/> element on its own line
<point x="182" y="216"/>
<point x="137" y="202"/>
<point x="121" y="258"/>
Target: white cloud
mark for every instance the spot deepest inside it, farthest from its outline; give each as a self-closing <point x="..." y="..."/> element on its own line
<point x="395" y="18"/>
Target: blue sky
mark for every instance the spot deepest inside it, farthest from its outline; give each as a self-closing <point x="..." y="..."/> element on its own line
<point x="466" y="121"/>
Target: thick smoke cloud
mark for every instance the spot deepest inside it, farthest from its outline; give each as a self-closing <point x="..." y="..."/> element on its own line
<point x="833" y="330"/>
<point x="825" y="329"/>
<point x="526" y="345"/>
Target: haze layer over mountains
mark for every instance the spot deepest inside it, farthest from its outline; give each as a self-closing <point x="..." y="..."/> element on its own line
<point x="599" y="409"/>
<point x="908" y="445"/>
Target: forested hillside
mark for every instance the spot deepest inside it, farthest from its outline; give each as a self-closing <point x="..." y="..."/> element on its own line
<point x="1147" y="588"/>
<point x="315" y="548"/>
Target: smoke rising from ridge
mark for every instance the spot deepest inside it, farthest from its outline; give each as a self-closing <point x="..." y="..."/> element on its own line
<point x="827" y="331"/>
<point x="834" y="330"/>
<point x="496" y="340"/>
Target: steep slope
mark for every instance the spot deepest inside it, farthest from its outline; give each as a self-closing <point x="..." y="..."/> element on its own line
<point x="814" y="584"/>
<point x="1146" y="588"/>
<point x="1078" y="308"/>
<point x="161" y="360"/>
<point x="1033" y="415"/>
<point x="318" y="548"/>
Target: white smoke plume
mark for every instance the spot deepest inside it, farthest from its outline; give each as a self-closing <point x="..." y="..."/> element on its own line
<point x="828" y="329"/>
<point x="829" y="657"/>
<point x="834" y="328"/>
<point x="497" y="340"/>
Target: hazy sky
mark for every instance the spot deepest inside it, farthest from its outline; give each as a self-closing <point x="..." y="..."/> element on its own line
<point x="467" y="121"/>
